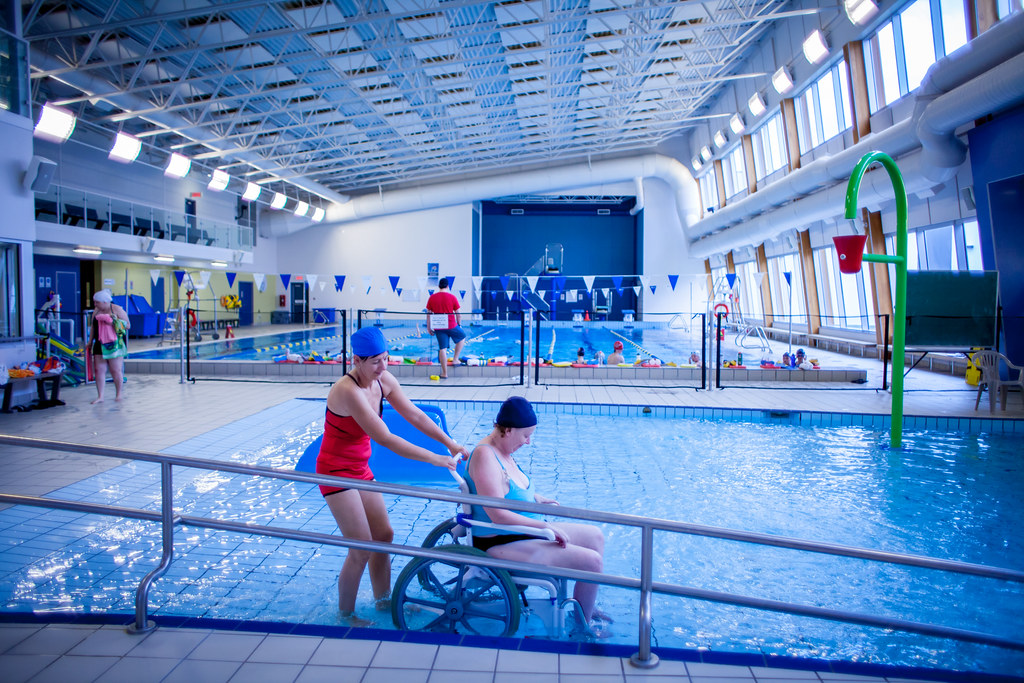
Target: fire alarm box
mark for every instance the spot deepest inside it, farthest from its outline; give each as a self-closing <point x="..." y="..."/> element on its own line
<point x="280" y="300"/>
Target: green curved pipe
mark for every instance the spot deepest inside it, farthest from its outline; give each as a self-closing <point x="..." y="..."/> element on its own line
<point x="900" y="259"/>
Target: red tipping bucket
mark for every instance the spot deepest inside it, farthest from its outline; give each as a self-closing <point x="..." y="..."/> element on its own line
<point x="851" y="252"/>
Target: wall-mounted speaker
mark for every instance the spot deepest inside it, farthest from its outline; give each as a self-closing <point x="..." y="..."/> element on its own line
<point x="39" y="174"/>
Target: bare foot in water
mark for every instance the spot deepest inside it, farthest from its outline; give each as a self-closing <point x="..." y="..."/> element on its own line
<point x="351" y="619"/>
<point x="383" y="604"/>
<point x="98" y="400"/>
<point x="602" y="616"/>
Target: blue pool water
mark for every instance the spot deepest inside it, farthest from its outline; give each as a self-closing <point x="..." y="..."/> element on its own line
<point x="956" y="496"/>
<point x="485" y="339"/>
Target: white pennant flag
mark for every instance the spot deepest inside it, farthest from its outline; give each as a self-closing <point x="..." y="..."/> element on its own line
<point x="261" y="281"/>
<point x="368" y="282"/>
<point x="607" y="293"/>
<point x="532" y="280"/>
<point x="154" y="274"/>
<point x="204" y="277"/>
<point x="758" y="278"/>
<point x="323" y="283"/>
<point x="422" y="279"/>
<point x="478" y="282"/>
<point x="589" y="281"/>
<point x="636" y="290"/>
<point x="311" y="279"/>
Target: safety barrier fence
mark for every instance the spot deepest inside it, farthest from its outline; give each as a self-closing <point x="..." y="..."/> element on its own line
<point x="644" y="583"/>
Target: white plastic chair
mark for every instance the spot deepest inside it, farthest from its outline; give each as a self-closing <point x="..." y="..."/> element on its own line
<point x="988" y="362"/>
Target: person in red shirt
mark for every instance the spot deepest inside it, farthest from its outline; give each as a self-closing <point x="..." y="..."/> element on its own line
<point x="444" y="302"/>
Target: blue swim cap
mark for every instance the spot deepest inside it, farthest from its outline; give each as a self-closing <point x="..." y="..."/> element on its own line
<point x="516" y="412"/>
<point x="368" y="341"/>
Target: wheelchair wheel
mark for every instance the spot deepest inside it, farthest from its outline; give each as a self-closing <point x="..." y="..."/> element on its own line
<point x="442" y="535"/>
<point x="450" y="597"/>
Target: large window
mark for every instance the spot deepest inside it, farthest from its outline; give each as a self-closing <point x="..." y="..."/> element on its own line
<point x="769" y="147"/>
<point x="787" y="290"/>
<point x="899" y="55"/>
<point x="751" y="307"/>
<point x="10" y="285"/>
<point x="709" y="192"/>
<point x="948" y="246"/>
<point x="734" y="173"/>
<point x="823" y="109"/>
<point x="842" y="299"/>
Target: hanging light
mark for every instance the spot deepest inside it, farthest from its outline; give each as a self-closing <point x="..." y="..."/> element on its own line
<point x="318" y="214"/>
<point x="782" y="81"/>
<point x="126" y="148"/>
<point x="91" y="251"/>
<point x="178" y="166"/>
<point x="859" y="11"/>
<point x="279" y="201"/>
<point x="219" y="264"/>
<point x="695" y="163"/>
<point x="756" y="105"/>
<point x="252" y="192"/>
<point x="301" y="209"/>
<point x="705" y="153"/>
<point x="219" y="180"/>
<point x="736" y="124"/>
<point x="719" y="139"/>
<point x="815" y="47"/>
<point x="163" y="258"/>
<point x="55" y="124"/>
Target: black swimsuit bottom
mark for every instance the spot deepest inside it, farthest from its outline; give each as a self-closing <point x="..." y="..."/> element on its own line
<point x="485" y="543"/>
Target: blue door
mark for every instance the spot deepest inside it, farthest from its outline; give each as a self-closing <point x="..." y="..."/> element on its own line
<point x="156" y="295"/>
<point x="245" y="297"/>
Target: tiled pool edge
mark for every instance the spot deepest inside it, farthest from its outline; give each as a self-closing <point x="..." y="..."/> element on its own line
<point x="539" y="645"/>
<point x="803" y="418"/>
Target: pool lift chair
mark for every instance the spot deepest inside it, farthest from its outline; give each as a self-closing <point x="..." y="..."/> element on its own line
<point x="451" y="597"/>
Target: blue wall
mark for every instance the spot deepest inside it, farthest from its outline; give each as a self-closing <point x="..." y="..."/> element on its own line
<point x="997" y="164"/>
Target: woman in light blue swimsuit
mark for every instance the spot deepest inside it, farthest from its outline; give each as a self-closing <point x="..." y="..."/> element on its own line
<point x="492" y="471"/>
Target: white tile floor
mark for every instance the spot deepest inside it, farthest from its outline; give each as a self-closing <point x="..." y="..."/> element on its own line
<point x="158" y="412"/>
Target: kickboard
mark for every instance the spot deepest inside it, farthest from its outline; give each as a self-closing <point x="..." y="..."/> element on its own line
<point x="389" y="466"/>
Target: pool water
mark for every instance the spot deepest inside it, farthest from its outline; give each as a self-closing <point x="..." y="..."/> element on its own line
<point x="484" y="339"/>
<point x="956" y="496"/>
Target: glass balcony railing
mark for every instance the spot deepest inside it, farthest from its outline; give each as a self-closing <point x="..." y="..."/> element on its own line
<point x="78" y="208"/>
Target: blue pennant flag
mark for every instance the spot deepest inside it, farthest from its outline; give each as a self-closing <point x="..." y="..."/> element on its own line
<point x="179" y="275"/>
<point x="451" y="283"/>
<point x="462" y="294"/>
<point x="398" y="291"/>
<point x="504" y="282"/>
<point x="285" y="279"/>
<point x="617" y="283"/>
<point x="394" y="282"/>
<point x="339" y="282"/>
<point x="494" y="294"/>
<point x="653" y="287"/>
<point x="789" y="278"/>
<point x="731" y="279"/>
<point x="672" y="279"/>
<point x="231" y="279"/>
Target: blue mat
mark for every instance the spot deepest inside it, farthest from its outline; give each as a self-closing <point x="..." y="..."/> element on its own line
<point x="389" y="466"/>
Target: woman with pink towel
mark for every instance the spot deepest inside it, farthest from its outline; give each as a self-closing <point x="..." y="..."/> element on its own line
<point x="108" y="342"/>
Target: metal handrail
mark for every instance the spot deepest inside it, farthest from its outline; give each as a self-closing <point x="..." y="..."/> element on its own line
<point x="645" y="583"/>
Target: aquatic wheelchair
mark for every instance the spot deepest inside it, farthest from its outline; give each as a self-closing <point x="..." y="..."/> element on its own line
<point x="449" y="596"/>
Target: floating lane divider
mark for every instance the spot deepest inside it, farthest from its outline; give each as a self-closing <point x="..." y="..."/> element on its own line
<point x="278" y="347"/>
<point x="634" y="344"/>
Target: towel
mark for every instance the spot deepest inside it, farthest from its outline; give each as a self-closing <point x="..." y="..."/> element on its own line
<point x="105" y="328"/>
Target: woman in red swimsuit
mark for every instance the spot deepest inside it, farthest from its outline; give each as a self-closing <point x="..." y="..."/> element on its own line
<point x="354" y="407"/>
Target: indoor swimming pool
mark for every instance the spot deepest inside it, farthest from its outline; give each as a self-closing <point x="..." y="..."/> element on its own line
<point x="484" y="339"/>
<point x="948" y="495"/>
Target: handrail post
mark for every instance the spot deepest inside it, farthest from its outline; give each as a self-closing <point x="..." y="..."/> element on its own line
<point x="142" y="624"/>
<point x="644" y="658"/>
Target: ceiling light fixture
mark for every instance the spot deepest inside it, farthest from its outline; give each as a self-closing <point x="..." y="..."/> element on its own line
<point x="55" y="124"/>
<point x="218" y="264"/>
<point x="279" y="201"/>
<point x="301" y="209"/>
<point x="705" y="153"/>
<point x="782" y="81"/>
<point x="756" y="105"/>
<point x="318" y="214"/>
<point x="695" y="162"/>
<point x="859" y="11"/>
<point x="736" y="124"/>
<point x="178" y="166"/>
<point x="252" y="192"/>
<point x="815" y="47"/>
<point x="720" y="139"/>
<point x="163" y="258"/>
<point x="126" y="148"/>
<point x="219" y="180"/>
<point x="92" y="251"/>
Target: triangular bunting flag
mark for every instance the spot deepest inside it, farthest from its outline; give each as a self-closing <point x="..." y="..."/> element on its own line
<point x="422" y="279"/>
<point x="231" y="279"/>
<point x="758" y="278"/>
<point x="589" y="280"/>
<point x="261" y="281"/>
<point x="393" y="279"/>
<point x="731" y="279"/>
<point x="504" y="281"/>
<point x="636" y="289"/>
<point x="398" y="291"/>
<point x="478" y="282"/>
<point x="494" y="294"/>
<point x="339" y="283"/>
<point x="532" y="280"/>
<point x="451" y="282"/>
<point x="607" y="293"/>
<point x="179" y="275"/>
<point x="643" y="280"/>
<point x="323" y="283"/>
<point x="430" y="292"/>
<point x="559" y="283"/>
<point x="204" y="277"/>
<point x="462" y="294"/>
<point x="511" y="295"/>
<point x="672" y="279"/>
<point x="154" y="275"/>
<point x="789" y="277"/>
<point x="368" y="282"/>
<point x="311" y="279"/>
<point x="617" y="283"/>
<point x="285" y="279"/>
<point x="653" y="287"/>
